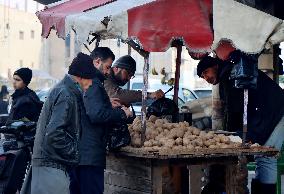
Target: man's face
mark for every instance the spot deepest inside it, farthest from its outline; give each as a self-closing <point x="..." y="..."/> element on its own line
<point x="122" y="75"/>
<point x="103" y="66"/>
<point x="18" y="83"/>
<point x="210" y="75"/>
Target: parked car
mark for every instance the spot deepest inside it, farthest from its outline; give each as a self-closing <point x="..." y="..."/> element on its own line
<point x="42" y="94"/>
<point x="203" y="92"/>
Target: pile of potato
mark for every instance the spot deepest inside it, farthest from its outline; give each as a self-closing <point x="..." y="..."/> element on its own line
<point x="162" y="134"/>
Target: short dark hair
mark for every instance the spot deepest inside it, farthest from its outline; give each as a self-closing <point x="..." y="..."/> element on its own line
<point x="103" y="53"/>
<point x="207" y="62"/>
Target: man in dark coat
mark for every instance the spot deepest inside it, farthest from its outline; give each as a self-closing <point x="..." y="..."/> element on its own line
<point x="56" y="146"/>
<point x="265" y="115"/>
<point x="25" y="102"/>
<point x="98" y="117"/>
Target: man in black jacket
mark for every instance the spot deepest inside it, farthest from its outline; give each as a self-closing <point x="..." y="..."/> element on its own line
<point x="265" y="115"/>
<point x="88" y="177"/>
<point x="56" y="146"/>
<point x="25" y="102"/>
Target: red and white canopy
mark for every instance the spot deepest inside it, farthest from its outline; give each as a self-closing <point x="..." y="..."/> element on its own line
<point x="155" y="23"/>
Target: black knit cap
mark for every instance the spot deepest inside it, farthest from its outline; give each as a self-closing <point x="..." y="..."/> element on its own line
<point x="126" y="62"/>
<point x="25" y="74"/>
<point x="205" y="63"/>
<point x="82" y="66"/>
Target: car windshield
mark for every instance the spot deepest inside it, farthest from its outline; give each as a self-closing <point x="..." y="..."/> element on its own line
<point x="203" y="93"/>
<point x="137" y="86"/>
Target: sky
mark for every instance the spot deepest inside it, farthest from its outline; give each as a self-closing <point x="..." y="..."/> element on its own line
<point x="20" y="4"/>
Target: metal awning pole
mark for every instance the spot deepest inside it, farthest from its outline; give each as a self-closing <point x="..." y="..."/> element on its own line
<point x="245" y="117"/>
<point x="145" y="55"/>
<point x="144" y="96"/>
<point x="129" y="53"/>
<point x="177" y="73"/>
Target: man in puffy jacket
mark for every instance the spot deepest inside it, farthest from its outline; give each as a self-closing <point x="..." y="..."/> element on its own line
<point x="265" y="114"/>
<point x="25" y="102"/>
<point x="56" y="146"/>
<point x="97" y="119"/>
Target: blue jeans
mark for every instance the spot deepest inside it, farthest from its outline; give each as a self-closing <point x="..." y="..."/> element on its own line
<point x="266" y="167"/>
<point x="87" y="180"/>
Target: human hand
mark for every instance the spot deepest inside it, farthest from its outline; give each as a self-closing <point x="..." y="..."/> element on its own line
<point x="157" y="95"/>
<point x="115" y="102"/>
<point x="127" y="111"/>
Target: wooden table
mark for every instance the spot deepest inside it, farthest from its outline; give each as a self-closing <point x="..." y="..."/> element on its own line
<point x="140" y="171"/>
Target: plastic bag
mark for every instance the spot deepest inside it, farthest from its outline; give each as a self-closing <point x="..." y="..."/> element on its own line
<point x="162" y="107"/>
<point x="119" y="135"/>
<point x="245" y="70"/>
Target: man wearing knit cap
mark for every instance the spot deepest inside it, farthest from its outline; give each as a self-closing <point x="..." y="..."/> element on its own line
<point x="25" y="103"/>
<point x="97" y="119"/>
<point x="56" y="146"/>
<point x="265" y="113"/>
<point x="122" y="72"/>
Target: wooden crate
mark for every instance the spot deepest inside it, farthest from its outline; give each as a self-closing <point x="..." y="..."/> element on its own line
<point x="136" y="171"/>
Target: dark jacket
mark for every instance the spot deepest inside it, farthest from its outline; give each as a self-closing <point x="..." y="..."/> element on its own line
<point x="58" y="131"/>
<point x="25" y="104"/>
<point x="3" y="106"/>
<point x="265" y="105"/>
<point x="98" y="118"/>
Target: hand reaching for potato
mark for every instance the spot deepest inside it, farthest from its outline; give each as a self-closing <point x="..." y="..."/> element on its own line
<point x="127" y="111"/>
<point x="157" y="95"/>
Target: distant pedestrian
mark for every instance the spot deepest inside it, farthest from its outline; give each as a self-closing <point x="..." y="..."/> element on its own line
<point x="25" y="103"/>
<point x="3" y="100"/>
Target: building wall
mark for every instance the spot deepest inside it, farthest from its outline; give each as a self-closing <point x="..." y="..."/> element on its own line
<point x="20" y="40"/>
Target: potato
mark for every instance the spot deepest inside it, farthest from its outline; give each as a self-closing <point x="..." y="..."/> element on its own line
<point x="190" y="146"/>
<point x="187" y="133"/>
<point x="177" y="147"/>
<point x="225" y="139"/>
<point x="186" y="141"/>
<point x="179" y="132"/>
<point x="197" y="142"/>
<point x="178" y="141"/>
<point x="160" y="129"/>
<point x="182" y="125"/>
<point x="159" y="122"/>
<point x="175" y="125"/>
<point x="170" y="143"/>
<point x="192" y="137"/>
<point x="152" y="118"/>
<point x="217" y="139"/>
<point x="136" y="142"/>
<point x="209" y="142"/>
<point x="148" y="144"/>
<point x="156" y="143"/>
<point x="196" y="131"/>
<point x="212" y="147"/>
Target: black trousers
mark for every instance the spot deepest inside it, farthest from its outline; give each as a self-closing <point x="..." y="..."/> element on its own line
<point x="87" y="180"/>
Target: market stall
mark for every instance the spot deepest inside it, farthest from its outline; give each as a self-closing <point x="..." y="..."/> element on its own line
<point x="151" y="26"/>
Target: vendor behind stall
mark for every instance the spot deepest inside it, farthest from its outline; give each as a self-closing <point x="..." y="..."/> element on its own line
<point x="265" y="115"/>
<point x="121" y="72"/>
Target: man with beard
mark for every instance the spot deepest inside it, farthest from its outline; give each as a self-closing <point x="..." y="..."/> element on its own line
<point x="265" y="114"/>
<point x="97" y="119"/>
<point x="121" y="73"/>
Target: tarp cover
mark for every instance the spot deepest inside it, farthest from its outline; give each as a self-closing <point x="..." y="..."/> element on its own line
<point x="54" y="17"/>
<point x="155" y="23"/>
<point x="249" y="29"/>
